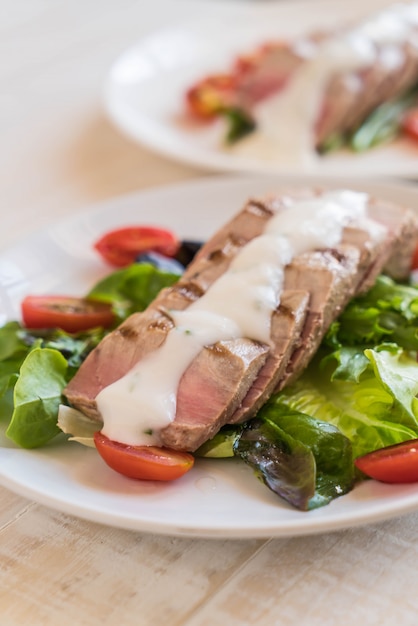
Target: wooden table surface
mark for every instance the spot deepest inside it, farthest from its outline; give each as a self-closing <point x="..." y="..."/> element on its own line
<point x="58" y="155"/>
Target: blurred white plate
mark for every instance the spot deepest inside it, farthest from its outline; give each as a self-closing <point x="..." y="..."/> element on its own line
<point x="217" y="498"/>
<point x="144" y="91"/>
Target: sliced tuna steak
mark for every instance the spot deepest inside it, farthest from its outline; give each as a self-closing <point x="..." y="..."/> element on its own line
<point x="211" y="389"/>
<point x="230" y="380"/>
<point x="287" y="324"/>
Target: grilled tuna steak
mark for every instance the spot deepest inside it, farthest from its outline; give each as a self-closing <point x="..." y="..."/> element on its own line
<point x="144" y="332"/>
<point x="228" y="381"/>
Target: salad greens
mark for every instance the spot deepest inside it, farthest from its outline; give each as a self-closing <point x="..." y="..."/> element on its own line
<point x="132" y="288"/>
<point x="357" y="395"/>
<point x="240" y="124"/>
<point x="37" y="396"/>
<point x="306" y="461"/>
<point x="376" y="410"/>
<point x="36" y="365"/>
<point x="363" y="382"/>
<point x="388" y="312"/>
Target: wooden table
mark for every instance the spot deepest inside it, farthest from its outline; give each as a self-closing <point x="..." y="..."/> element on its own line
<point x="59" y="154"/>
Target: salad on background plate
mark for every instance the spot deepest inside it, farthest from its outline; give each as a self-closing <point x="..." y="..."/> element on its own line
<point x="288" y="88"/>
<point x="298" y="99"/>
<point x="50" y="357"/>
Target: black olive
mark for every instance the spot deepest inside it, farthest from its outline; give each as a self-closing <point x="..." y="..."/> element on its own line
<point x="187" y="251"/>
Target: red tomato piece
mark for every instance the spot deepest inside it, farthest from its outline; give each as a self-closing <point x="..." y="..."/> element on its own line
<point x="65" y="312"/>
<point x="143" y="462"/>
<point x="120" y="247"/>
<point x="414" y="263"/>
<point x="393" y="464"/>
<point x="210" y="95"/>
<point x="410" y="124"/>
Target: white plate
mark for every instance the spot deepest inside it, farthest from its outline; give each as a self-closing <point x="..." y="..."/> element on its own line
<point x="144" y="91"/>
<point x="217" y="498"/>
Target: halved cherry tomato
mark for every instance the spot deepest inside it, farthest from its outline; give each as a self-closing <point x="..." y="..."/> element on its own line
<point x="414" y="262"/>
<point x="120" y="247"/>
<point x="65" y="312"/>
<point x="211" y="95"/>
<point x="393" y="464"/>
<point x="143" y="462"/>
<point x="410" y="123"/>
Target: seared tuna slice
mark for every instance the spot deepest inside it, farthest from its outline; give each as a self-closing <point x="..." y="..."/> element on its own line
<point x="211" y="389"/>
<point x="402" y="225"/>
<point x="287" y="324"/>
<point x="331" y="278"/>
<point x="115" y="355"/>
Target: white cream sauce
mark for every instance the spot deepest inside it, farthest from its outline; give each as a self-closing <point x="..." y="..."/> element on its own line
<point x="239" y="304"/>
<point x="286" y="120"/>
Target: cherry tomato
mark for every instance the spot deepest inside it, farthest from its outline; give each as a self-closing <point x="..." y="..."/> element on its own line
<point x="65" y="312"/>
<point x="120" y="247"/>
<point x="393" y="464"/>
<point x="143" y="462"/>
<point x="410" y="124"/>
<point x="414" y="262"/>
<point x="210" y="95"/>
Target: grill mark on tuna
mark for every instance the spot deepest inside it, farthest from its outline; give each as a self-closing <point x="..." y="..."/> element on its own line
<point x="246" y="225"/>
<point x="130" y="333"/>
<point x="259" y="208"/>
<point x="164" y="324"/>
<point x="179" y="296"/>
<point x="217" y="255"/>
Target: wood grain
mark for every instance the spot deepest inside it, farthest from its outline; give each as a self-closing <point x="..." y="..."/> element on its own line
<point x="106" y="576"/>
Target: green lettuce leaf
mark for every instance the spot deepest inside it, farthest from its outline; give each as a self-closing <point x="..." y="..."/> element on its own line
<point x="13" y="351"/>
<point x="240" y="123"/>
<point x="37" y="396"/>
<point x="132" y="288"/>
<point x="374" y="408"/>
<point x="387" y="312"/>
<point x="306" y="461"/>
<point x="12" y="345"/>
<point x="383" y="123"/>
<point x="73" y="346"/>
<point x="17" y="342"/>
<point x="221" y="446"/>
